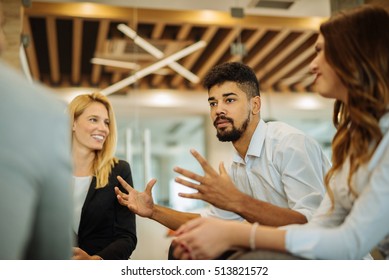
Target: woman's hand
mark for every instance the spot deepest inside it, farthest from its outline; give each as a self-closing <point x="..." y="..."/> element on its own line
<point x="203" y="238"/>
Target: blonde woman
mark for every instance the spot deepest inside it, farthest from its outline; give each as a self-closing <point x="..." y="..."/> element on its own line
<point x="104" y="228"/>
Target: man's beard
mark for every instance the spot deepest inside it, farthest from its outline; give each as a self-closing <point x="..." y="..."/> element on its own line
<point x="232" y="135"/>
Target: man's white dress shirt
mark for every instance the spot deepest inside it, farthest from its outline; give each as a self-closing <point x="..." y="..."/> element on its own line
<point x="283" y="166"/>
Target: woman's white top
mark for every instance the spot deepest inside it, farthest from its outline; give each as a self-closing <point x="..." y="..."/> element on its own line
<point x="357" y="224"/>
<point x="81" y="186"/>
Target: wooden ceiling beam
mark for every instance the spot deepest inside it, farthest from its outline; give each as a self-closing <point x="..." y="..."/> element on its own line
<point x="285" y="53"/>
<point x="158" y="30"/>
<point x="288" y="67"/>
<point x="101" y="37"/>
<point x="116" y="77"/>
<point x="298" y="76"/>
<point x="170" y="49"/>
<point x="12" y="28"/>
<point x="268" y="48"/>
<point x="184" y="32"/>
<point x="274" y="56"/>
<point x="52" y="45"/>
<point x="100" y="11"/>
<point x="30" y="51"/>
<point x="250" y="43"/>
<point x="218" y="52"/>
<point x="77" y="51"/>
<point x="191" y="59"/>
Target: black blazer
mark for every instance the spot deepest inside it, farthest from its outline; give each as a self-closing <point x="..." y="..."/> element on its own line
<point x="107" y="228"/>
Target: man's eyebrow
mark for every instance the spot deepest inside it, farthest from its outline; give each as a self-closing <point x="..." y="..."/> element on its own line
<point x="224" y="95"/>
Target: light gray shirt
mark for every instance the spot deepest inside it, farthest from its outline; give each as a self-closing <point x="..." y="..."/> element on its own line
<point x="35" y="171"/>
<point x="283" y="166"/>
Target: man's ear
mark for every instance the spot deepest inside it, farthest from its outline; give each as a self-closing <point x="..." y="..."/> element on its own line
<point x="256" y="105"/>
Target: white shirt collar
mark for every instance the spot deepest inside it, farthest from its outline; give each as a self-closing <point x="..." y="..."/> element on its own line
<point x="256" y="143"/>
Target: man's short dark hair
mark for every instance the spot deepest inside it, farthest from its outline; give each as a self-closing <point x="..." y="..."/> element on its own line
<point x="237" y="72"/>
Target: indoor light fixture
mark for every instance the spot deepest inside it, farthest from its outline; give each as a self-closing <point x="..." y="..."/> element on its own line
<point x="153" y="67"/>
<point x="115" y="63"/>
<point x="157" y="53"/>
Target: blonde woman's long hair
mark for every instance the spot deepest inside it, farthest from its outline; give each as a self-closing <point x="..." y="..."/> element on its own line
<point x="104" y="159"/>
<point x="356" y="47"/>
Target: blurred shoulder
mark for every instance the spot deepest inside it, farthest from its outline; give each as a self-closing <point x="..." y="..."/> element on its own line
<point x="19" y="93"/>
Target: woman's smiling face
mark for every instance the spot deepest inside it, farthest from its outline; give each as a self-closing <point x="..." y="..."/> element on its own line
<point x="91" y="128"/>
<point x="327" y="82"/>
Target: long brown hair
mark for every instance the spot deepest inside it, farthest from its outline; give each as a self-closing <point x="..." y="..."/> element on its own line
<point x="104" y="159"/>
<point x="357" y="48"/>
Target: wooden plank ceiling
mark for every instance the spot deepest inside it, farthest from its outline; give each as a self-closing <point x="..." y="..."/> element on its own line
<point x="64" y="37"/>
